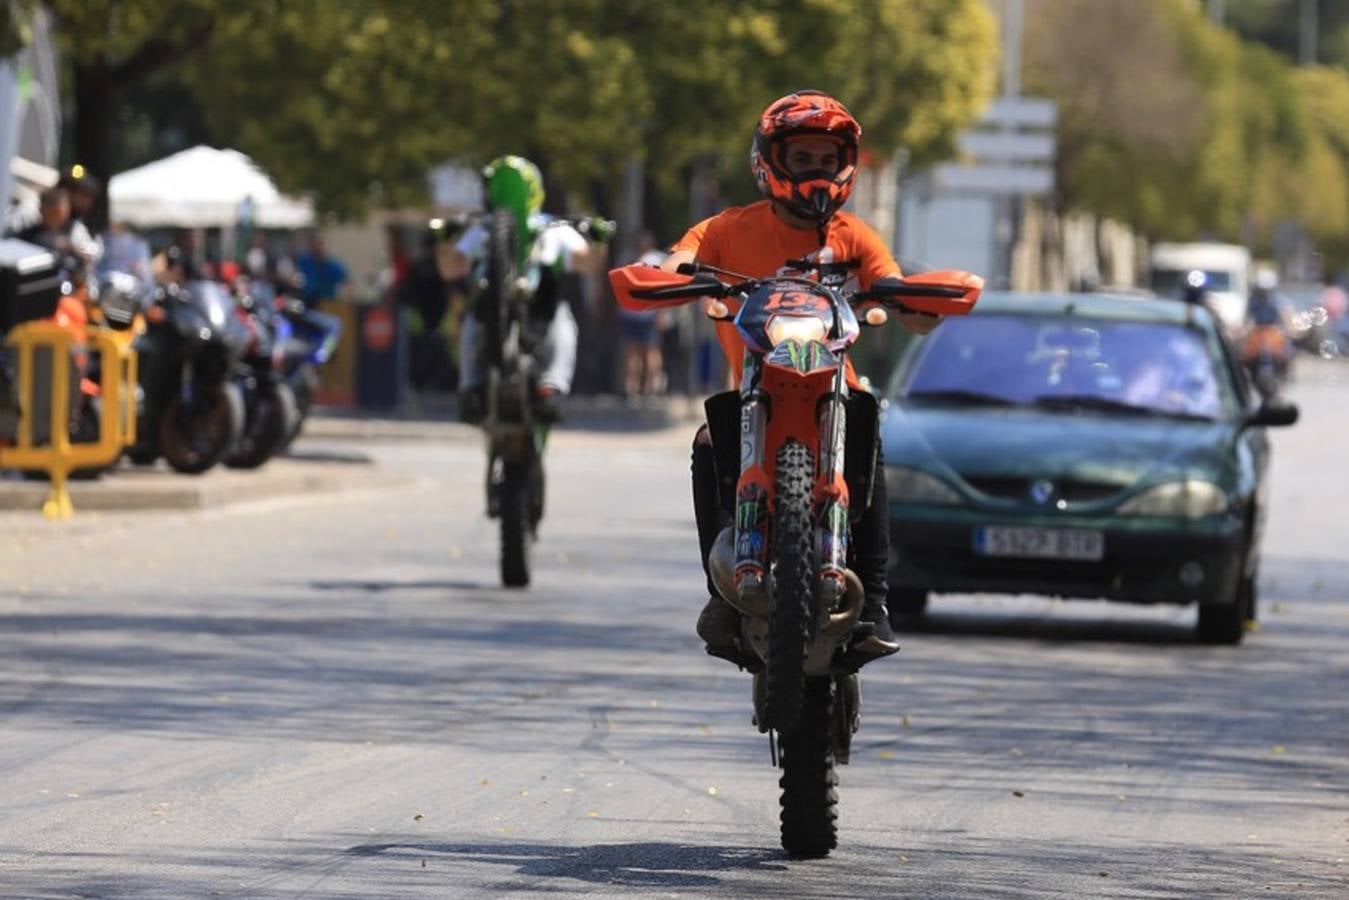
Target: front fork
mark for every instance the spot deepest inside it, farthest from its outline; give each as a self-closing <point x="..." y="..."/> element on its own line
<point x="754" y="488"/>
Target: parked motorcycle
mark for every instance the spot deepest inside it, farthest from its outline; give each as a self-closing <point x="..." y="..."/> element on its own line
<point x="307" y="339"/>
<point x="270" y="414"/>
<point x="795" y="454"/>
<point x="30" y="288"/>
<point x="191" y="411"/>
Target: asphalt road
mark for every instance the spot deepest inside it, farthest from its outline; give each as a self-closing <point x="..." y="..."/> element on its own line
<point x="330" y="698"/>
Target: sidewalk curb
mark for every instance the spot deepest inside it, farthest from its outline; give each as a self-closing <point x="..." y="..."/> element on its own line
<point x="161" y="490"/>
<point x="439" y="421"/>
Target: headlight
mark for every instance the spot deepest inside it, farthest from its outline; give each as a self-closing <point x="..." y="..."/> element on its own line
<point x="801" y="329"/>
<point x="1189" y="499"/>
<point x="905" y="485"/>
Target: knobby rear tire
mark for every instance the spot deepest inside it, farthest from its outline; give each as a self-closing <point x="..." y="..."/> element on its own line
<point x="809" y="783"/>
<point x="515" y="505"/>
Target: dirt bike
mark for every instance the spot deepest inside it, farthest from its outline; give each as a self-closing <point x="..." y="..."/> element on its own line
<point x="1266" y="355"/>
<point x="795" y="449"/>
<point x="509" y="277"/>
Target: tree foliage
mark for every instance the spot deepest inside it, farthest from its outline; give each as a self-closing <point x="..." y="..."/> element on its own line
<point x="1184" y="130"/>
<point x="354" y="101"/>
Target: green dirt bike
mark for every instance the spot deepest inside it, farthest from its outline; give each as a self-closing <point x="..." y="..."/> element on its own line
<point x="509" y="278"/>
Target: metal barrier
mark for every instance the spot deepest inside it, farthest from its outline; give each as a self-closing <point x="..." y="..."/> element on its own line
<point x="117" y="419"/>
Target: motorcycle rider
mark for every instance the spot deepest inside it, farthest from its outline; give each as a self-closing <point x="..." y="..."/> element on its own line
<point x="804" y="159"/>
<point x="514" y="183"/>
<point x="1266" y="330"/>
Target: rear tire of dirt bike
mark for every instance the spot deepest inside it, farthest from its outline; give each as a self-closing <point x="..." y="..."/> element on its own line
<point x="514" y="504"/>
<point x="191" y="453"/>
<point x="794" y="586"/>
<point x="501" y="275"/>
<point x="276" y="420"/>
<point x="809" y="783"/>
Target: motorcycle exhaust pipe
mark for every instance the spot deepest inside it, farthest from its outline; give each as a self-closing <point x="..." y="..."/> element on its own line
<point x="721" y="563"/>
<point x="754" y="602"/>
<point x="843" y="619"/>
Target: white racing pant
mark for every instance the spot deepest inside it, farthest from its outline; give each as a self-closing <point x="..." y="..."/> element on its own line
<point x="556" y="355"/>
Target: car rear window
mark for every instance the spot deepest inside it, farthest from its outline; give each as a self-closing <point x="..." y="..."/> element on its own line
<point x="1027" y="360"/>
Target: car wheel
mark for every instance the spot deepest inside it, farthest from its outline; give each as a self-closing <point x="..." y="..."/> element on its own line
<point x="1226" y="624"/>
<point x="905" y="603"/>
<point x="1250" y="587"/>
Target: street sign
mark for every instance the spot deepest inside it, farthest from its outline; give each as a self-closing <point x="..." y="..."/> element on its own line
<point x="993" y="179"/>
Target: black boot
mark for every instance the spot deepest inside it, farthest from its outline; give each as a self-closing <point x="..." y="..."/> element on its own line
<point x="872" y="636"/>
<point x="719" y="627"/>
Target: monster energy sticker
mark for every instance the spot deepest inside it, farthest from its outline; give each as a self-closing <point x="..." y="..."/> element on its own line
<point x="833" y="548"/>
<point x="751" y="526"/>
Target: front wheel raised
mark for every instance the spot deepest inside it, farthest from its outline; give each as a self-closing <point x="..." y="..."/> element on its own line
<point x="514" y="504"/>
<point x="793" y="586"/>
<point x="809" y="783"/>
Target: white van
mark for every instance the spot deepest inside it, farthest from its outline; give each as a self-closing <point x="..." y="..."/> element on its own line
<point x="1228" y="267"/>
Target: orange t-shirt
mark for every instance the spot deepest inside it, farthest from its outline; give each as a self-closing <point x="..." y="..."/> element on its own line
<point x="751" y="240"/>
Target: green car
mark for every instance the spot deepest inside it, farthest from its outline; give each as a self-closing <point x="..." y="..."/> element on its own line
<point x="1078" y="446"/>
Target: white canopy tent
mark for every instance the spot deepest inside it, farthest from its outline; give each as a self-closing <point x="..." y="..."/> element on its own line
<point x="202" y="188"/>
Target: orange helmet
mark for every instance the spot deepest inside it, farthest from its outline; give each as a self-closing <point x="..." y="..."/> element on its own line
<point x="816" y="194"/>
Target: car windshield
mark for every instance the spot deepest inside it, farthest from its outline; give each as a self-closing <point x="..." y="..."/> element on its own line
<point x="1171" y="282"/>
<point x="1066" y="362"/>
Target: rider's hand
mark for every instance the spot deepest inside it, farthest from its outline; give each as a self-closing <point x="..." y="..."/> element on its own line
<point x="598" y="229"/>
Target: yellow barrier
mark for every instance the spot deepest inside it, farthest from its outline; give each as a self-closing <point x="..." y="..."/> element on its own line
<point x="117" y="421"/>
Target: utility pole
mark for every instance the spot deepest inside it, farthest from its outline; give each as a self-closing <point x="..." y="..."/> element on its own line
<point x="9" y="128"/>
<point x="1217" y="12"/>
<point x="1306" y="55"/>
<point x="1013" y="17"/>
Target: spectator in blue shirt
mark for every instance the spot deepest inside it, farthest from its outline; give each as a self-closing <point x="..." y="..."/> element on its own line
<point x="322" y="274"/>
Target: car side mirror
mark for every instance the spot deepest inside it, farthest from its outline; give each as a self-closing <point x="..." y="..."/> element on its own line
<point x="1273" y="415"/>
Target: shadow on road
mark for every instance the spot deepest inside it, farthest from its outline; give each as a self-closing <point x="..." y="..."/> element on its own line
<point x="379" y="587"/>
<point x="1012" y="626"/>
<point x="935" y="865"/>
<point x="670" y="865"/>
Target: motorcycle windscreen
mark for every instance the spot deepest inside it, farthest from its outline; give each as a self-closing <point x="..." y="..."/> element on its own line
<point x="213" y="301"/>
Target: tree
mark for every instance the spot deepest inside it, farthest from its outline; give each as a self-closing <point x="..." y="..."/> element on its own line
<point x="354" y="101"/>
<point x="112" y="46"/>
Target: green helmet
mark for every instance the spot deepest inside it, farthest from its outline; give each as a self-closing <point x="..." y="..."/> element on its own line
<point x="514" y="183"/>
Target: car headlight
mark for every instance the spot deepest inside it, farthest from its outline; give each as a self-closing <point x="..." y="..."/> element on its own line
<point x="1190" y="499"/>
<point x="906" y="485"/>
<point x="802" y="329"/>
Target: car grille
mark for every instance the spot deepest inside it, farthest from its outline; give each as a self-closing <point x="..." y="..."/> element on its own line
<point x="1019" y="488"/>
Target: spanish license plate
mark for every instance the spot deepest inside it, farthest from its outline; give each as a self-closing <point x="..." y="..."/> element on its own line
<point x="1040" y="543"/>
